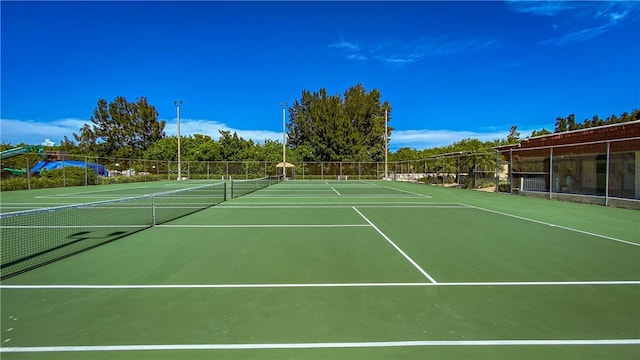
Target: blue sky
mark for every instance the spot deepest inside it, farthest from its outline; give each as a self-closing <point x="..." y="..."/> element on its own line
<point x="450" y="70"/>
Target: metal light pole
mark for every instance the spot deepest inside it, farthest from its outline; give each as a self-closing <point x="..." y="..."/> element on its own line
<point x="178" y="105"/>
<point x="284" y="141"/>
<point x="386" y="143"/>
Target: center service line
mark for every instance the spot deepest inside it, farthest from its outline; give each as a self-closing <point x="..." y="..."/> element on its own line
<point x="397" y="248"/>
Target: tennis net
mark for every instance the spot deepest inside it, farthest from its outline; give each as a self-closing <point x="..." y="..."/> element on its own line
<point x="33" y="238"/>
<point x="244" y="187"/>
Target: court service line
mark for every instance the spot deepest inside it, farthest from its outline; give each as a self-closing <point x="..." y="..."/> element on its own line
<point x="288" y="190"/>
<point x="370" y="344"/>
<point x="408" y="192"/>
<point x="397" y="247"/>
<point x="316" y="285"/>
<point x="557" y="226"/>
<point x="326" y="206"/>
<point x="362" y="196"/>
<point x="332" y="203"/>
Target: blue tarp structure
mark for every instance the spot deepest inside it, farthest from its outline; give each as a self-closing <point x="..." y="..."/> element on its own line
<point x="52" y="165"/>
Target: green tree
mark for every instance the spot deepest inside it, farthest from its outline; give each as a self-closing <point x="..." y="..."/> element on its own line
<point x="234" y="147"/>
<point x="367" y="115"/>
<point x="121" y="129"/>
<point x="200" y="148"/>
<point x="514" y="135"/>
<point x="540" y="132"/>
<point x="339" y="129"/>
<point x="561" y="125"/>
<point x="269" y="151"/>
<point x="405" y="153"/>
<point x="571" y="123"/>
<point x="67" y="145"/>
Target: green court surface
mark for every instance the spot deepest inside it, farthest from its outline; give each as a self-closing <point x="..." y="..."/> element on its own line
<point x="336" y="270"/>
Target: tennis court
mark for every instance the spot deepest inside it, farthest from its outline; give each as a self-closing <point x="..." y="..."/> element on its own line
<point x="326" y="270"/>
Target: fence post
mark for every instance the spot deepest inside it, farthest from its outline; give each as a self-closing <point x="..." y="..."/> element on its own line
<point x="551" y="180"/>
<point x="475" y="172"/>
<point x="28" y="174"/>
<point x="511" y="171"/>
<point x="606" y="181"/>
<point x="497" y="172"/>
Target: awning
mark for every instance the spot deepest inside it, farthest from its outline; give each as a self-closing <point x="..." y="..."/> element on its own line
<point x="287" y="165"/>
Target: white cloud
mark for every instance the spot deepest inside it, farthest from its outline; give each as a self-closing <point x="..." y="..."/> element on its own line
<point x="544" y="8"/>
<point x="425" y="138"/>
<point x="594" y="17"/>
<point x="404" y="52"/>
<point x="397" y="60"/>
<point x="33" y="132"/>
<point x="212" y="128"/>
<point x="615" y="17"/>
<point x="356" y="57"/>
<point x="14" y="131"/>
<point x="577" y="36"/>
<point x="345" y="45"/>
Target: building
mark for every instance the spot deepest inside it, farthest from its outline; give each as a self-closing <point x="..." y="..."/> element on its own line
<point x="596" y="165"/>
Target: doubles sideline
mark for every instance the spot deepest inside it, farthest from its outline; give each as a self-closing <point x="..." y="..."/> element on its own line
<point x="371" y="344"/>
<point x="321" y="285"/>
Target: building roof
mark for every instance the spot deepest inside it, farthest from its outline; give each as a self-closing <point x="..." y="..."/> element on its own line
<point x="627" y="130"/>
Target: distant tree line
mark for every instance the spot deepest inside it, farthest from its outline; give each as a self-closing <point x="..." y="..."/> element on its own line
<point x="322" y="127"/>
<point x="569" y="123"/>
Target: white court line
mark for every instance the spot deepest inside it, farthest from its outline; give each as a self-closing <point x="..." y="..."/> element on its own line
<point x="336" y="191"/>
<point x="276" y="191"/>
<point x="397" y="247"/>
<point x="370" y="344"/>
<point x="71" y="226"/>
<point x="408" y="192"/>
<point x="367" y="196"/>
<point x="320" y="203"/>
<point x="89" y="193"/>
<point x="318" y="188"/>
<point x="350" y="205"/>
<point x="318" y="285"/>
<point x="36" y="204"/>
<point x="557" y="226"/>
<point x="265" y="226"/>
